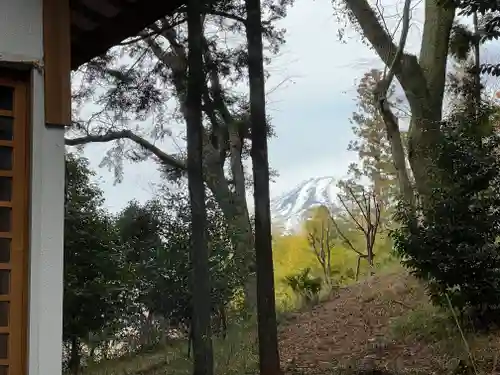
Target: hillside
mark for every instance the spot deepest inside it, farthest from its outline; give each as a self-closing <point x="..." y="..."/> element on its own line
<point x="383" y="322"/>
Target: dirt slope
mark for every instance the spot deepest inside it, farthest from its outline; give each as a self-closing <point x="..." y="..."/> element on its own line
<point x="355" y="328"/>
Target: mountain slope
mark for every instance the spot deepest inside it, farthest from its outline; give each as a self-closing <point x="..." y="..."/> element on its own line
<point x="289" y="209"/>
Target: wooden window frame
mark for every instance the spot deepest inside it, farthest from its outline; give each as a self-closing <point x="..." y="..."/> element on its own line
<point x="20" y="204"/>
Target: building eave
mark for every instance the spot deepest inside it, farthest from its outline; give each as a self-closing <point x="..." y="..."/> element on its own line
<point x="97" y="25"/>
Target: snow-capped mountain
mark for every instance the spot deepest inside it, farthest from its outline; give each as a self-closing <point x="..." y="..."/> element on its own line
<point x="289" y="209"/>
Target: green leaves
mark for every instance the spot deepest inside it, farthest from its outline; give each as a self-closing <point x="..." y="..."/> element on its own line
<point x="453" y="243"/>
<point x="94" y="293"/>
<point x="156" y="236"/>
<point x="119" y="268"/>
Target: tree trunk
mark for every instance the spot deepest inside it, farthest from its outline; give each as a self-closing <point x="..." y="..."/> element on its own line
<point x="235" y="212"/>
<point x="358" y="265"/>
<point x="92" y="353"/>
<point x="269" y="360"/>
<point x="370" y="242"/>
<point x="190" y="340"/>
<point x="477" y="66"/>
<point x="223" y="318"/>
<point x="74" y="360"/>
<point x="329" y="262"/>
<point x="422" y="80"/>
<point x="201" y="290"/>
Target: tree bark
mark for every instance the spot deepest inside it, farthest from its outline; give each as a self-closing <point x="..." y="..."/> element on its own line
<point x="201" y="290"/>
<point x="422" y="80"/>
<point x="233" y="204"/>
<point x="477" y="65"/>
<point x="74" y="360"/>
<point x="269" y="360"/>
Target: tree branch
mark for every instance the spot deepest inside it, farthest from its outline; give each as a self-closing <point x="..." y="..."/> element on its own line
<point x="373" y="30"/>
<point x="363" y="207"/>
<point x="127" y="134"/>
<point x="389" y="75"/>
<point x="390" y="120"/>
<point x="143" y="35"/>
<point x="344" y="237"/>
<point x="358" y="224"/>
<point x="312" y="243"/>
<point x="406" y="67"/>
<point x="229" y="16"/>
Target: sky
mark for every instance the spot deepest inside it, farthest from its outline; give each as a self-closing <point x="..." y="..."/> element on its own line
<point x="310" y="110"/>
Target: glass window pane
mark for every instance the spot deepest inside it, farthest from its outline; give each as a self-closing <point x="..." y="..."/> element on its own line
<point x="5" y="189"/>
<point x="6" y="128"/>
<point x="4" y="313"/>
<point x="5" y="250"/>
<point x="4" y="282"/>
<point x="5" y="158"/>
<point x="5" y="219"/>
<point x="6" y="98"/>
<point x="4" y="345"/>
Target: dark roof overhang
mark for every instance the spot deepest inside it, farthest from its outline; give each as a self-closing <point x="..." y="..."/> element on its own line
<point x="97" y="25"/>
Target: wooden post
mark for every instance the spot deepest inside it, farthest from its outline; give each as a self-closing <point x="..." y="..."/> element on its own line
<point x="57" y="61"/>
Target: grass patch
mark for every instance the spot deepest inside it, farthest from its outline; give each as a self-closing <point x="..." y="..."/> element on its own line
<point x="437" y="329"/>
<point x="237" y="354"/>
<point x="427" y="324"/>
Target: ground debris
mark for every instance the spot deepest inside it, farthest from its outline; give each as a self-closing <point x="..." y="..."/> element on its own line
<point x="352" y="331"/>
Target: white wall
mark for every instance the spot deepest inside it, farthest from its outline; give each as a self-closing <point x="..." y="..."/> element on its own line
<point x="47" y="226"/>
<point x="21" y="30"/>
<point x="21" y="40"/>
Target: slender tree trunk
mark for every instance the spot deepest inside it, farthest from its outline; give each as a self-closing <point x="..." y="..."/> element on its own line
<point x="358" y="265"/>
<point x="104" y="350"/>
<point x="223" y="318"/>
<point x="74" y="361"/>
<point x="477" y="65"/>
<point x="92" y="352"/>
<point x="202" y="337"/>
<point x="266" y="307"/>
<point x="370" y="241"/>
<point x="190" y="340"/>
<point x="329" y="263"/>
<point x="239" y="228"/>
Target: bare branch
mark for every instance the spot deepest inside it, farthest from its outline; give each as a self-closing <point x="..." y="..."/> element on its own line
<point x="358" y="224"/>
<point x="143" y="35"/>
<point x="344" y="237"/>
<point x="127" y="134"/>
<point x="228" y="16"/>
<point x="373" y="30"/>
<point x="378" y="210"/>
<point x="386" y="82"/>
<point x="406" y="68"/>
<point x="362" y="207"/>
<point x="313" y="243"/>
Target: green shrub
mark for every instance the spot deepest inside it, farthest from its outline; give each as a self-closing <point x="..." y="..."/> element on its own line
<point x="305" y="285"/>
<point x="450" y="239"/>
